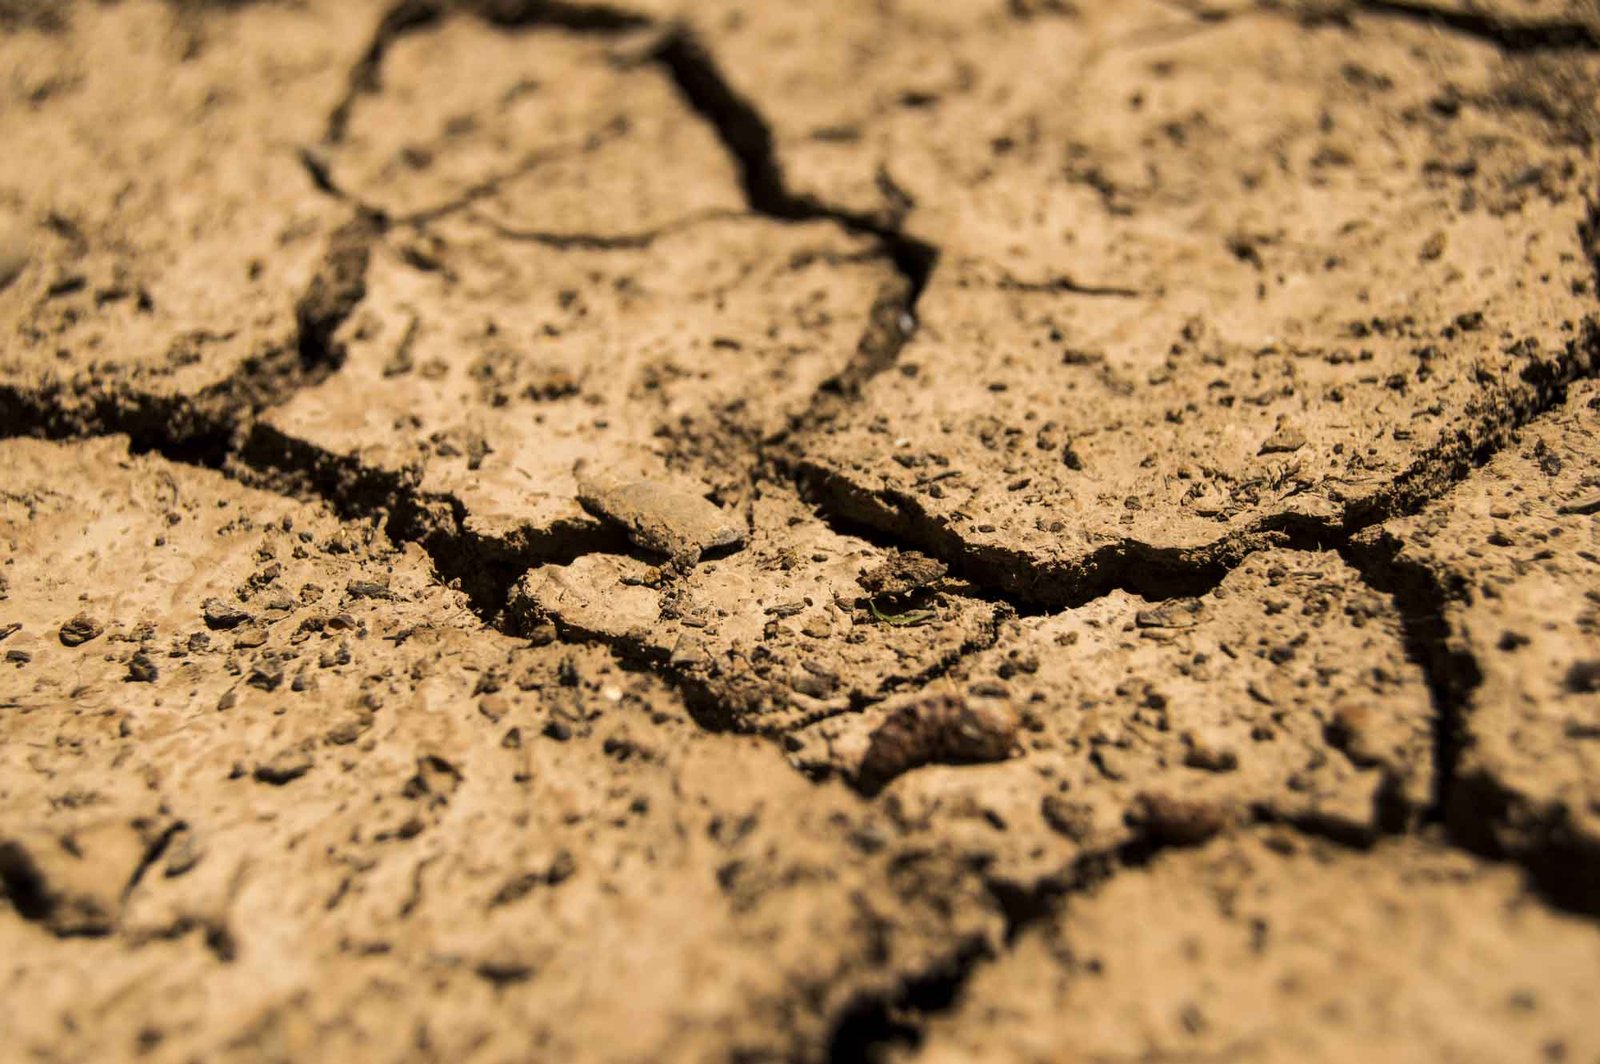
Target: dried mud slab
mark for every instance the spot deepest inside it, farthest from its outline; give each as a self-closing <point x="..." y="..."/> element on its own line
<point x="539" y="129"/>
<point x="574" y="314"/>
<point x="1009" y="131"/>
<point x="1283" y="694"/>
<point x="118" y="560"/>
<point x="1293" y="278"/>
<point x="1509" y="564"/>
<point x="801" y="624"/>
<point x="171" y="238"/>
<point x="483" y="369"/>
<point x="886" y="111"/>
<point x="423" y="819"/>
<point x="1267" y="947"/>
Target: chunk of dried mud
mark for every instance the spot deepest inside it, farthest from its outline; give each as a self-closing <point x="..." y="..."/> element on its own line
<point x="660" y="517"/>
<point x="903" y="573"/>
<point x="940" y="727"/>
<point x="81" y="629"/>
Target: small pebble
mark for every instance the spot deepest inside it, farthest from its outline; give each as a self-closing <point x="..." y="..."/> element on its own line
<point x="1284" y="441"/>
<point x="141" y="669"/>
<point x="289" y="765"/>
<point x="80" y="630"/>
<point x="220" y="614"/>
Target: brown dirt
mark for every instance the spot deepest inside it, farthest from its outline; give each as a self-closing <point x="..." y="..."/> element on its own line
<point x="694" y="530"/>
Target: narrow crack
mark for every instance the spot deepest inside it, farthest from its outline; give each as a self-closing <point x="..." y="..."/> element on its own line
<point x="1065" y="284"/>
<point x="219" y="424"/>
<point x="1563" y="868"/>
<point x="1156" y="572"/>
<point x="207" y="430"/>
<point x="365" y="78"/>
<point x="732" y="699"/>
<point x="1508" y="34"/>
<point x="897" y="1019"/>
<point x="318" y="164"/>
<point x="1472" y="805"/>
<point x="23" y="884"/>
<point x="1451" y="672"/>
<point x="879" y="1025"/>
<point x="529" y="164"/>
<point x="875" y="1023"/>
<point x="483" y="572"/>
<point x="408" y="16"/>
<point x="1503" y="411"/>
<point x="566" y="14"/>
<point x="178" y="428"/>
<point x="1016" y="576"/>
<point x="891" y="322"/>
<point x="405" y="17"/>
<point x="152" y="853"/>
<point x="218" y="430"/>
<point x="337" y="288"/>
<point x="748" y="140"/>
<point x="483" y="568"/>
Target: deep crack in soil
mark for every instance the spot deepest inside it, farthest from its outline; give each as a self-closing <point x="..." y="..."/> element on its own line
<point x="881" y="919"/>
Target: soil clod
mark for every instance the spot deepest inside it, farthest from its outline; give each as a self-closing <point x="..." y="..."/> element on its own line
<point x="659" y="517"/>
<point x="80" y="630"/>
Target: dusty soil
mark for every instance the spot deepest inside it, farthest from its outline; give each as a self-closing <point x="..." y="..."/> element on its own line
<point x="690" y="530"/>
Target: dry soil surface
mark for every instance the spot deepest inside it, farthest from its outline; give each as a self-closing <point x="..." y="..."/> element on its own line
<point x="859" y="530"/>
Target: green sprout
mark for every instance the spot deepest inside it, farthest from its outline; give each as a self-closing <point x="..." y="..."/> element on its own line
<point x="900" y="620"/>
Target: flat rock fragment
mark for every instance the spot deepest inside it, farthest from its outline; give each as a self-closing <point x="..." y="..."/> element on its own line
<point x="81" y="629"/>
<point x="1509" y="560"/>
<point x="607" y="597"/>
<point x="903" y="573"/>
<point x="221" y="614"/>
<point x="1268" y="947"/>
<point x="659" y="517"/>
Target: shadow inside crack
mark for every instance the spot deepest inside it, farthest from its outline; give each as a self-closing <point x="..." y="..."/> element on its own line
<point x="1509" y="34"/>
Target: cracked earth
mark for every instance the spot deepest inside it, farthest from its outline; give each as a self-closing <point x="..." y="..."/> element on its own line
<point x="1041" y="530"/>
